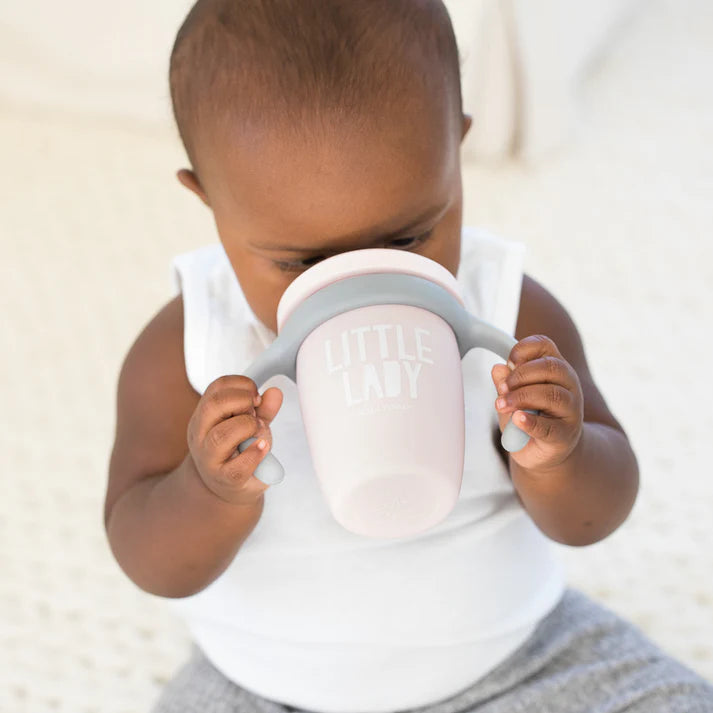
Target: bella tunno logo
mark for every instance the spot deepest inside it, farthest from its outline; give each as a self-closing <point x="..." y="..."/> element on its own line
<point x="378" y="361"/>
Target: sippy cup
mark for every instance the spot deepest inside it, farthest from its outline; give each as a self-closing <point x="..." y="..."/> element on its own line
<point x="373" y="339"/>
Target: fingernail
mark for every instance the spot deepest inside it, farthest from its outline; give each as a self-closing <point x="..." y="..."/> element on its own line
<point x="511" y="365"/>
<point x="257" y="400"/>
<point x="503" y="387"/>
<point x="500" y="403"/>
<point x="262" y="444"/>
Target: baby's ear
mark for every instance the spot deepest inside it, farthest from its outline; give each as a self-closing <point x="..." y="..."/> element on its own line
<point x="189" y="179"/>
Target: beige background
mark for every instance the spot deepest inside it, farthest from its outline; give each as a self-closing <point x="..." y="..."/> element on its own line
<point x="618" y="224"/>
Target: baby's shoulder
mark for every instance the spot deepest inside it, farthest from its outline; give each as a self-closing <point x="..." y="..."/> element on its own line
<point x="156" y="358"/>
<point x="160" y="341"/>
<point x="542" y="313"/>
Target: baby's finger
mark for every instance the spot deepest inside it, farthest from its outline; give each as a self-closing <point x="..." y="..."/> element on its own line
<point x="269" y="404"/>
<point x="545" y="370"/>
<point x="552" y="399"/>
<point x="541" y="427"/>
<point x="222" y="440"/>
<point x="240" y="469"/>
<point x="533" y="347"/>
<point x="223" y="398"/>
<point x="499" y="374"/>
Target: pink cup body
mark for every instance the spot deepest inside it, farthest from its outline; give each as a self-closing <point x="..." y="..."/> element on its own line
<point x="381" y="395"/>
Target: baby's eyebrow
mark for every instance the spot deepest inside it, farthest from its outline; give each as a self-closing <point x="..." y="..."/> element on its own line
<point x="432" y="212"/>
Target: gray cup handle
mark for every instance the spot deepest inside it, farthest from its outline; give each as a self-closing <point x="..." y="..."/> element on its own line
<point x="478" y="333"/>
<point x="361" y="291"/>
<point x="274" y="360"/>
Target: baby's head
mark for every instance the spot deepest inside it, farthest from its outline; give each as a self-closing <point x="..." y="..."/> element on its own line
<point x="319" y="126"/>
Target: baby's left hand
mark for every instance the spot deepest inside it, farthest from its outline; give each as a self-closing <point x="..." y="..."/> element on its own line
<point x="540" y="379"/>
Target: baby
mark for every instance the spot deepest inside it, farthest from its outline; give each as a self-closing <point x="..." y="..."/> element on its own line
<point x="316" y="127"/>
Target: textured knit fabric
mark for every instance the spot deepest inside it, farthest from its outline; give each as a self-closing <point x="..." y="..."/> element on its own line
<point x="320" y="618"/>
<point x="582" y="658"/>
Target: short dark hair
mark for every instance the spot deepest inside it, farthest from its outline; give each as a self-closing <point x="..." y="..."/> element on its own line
<point x="282" y="62"/>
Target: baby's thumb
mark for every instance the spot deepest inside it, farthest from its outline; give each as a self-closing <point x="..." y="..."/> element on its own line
<point x="499" y="373"/>
<point x="269" y="405"/>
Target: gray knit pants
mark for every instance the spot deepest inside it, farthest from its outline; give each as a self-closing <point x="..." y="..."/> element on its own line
<point x="582" y="657"/>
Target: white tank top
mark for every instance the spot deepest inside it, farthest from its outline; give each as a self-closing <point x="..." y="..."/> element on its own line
<point x="316" y="617"/>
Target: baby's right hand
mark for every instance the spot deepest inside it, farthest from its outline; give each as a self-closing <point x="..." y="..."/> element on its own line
<point x="227" y="414"/>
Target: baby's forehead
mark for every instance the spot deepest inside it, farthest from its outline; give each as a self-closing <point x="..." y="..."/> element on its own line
<point x="419" y="141"/>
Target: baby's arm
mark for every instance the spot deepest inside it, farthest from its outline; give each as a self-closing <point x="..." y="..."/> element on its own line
<point x="577" y="477"/>
<point x="171" y="530"/>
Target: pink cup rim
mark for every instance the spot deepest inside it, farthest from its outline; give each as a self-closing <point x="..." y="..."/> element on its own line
<point x="362" y="262"/>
